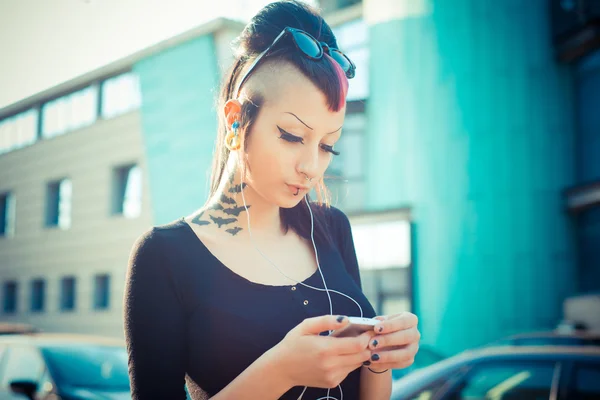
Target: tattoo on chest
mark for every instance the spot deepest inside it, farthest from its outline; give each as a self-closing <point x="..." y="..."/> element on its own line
<point x="225" y="213"/>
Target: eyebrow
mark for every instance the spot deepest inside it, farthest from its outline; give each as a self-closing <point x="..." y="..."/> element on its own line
<point x="303" y="123"/>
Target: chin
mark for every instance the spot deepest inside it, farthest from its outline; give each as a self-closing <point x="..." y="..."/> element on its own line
<point x="289" y="201"/>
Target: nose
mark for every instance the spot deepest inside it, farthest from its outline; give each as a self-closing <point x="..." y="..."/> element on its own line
<point x="309" y="161"/>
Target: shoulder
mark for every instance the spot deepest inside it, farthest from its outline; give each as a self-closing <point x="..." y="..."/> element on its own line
<point x="158" y="236"/>
<point x="336" y="221"/>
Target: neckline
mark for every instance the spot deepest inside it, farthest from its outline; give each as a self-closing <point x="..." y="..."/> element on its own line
<point x="234" y="274"/>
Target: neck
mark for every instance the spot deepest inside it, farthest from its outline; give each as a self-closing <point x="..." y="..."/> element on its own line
<point x="225" y="208"/>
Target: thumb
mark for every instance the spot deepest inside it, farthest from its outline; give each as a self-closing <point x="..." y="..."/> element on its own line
<point x="316" y="325"/>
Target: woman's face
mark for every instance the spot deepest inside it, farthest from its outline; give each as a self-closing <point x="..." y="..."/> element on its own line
<point x="294" y="134"/>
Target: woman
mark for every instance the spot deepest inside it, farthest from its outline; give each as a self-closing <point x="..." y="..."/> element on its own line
<point x="238" y="299"/>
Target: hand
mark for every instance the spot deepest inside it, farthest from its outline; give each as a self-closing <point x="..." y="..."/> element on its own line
<point x="307" y="359"/>
<point x="395" y="343"/>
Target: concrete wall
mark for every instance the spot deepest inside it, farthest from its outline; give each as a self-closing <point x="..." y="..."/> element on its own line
<point x="97" y="241"/>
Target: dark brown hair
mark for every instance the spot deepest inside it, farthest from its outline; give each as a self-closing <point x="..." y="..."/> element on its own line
<point x="326" y="74"/>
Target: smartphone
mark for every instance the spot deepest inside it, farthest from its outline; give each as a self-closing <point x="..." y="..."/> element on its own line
<point x="356" y="326"/>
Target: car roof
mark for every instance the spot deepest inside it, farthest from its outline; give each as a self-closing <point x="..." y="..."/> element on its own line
<point x="414" y="380"/>
<point x="494" y="351"/>
<point x="579" y="334"/>
<point x="43" y="339"/>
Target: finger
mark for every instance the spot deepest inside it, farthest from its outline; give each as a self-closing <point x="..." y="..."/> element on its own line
<point x="348" y="345"/>
<point x="316" y="325"/>
<point x="398" y="322"/>
<point x="398" y="338"/>
<point x="353" y="361"/>
<point x="400" y="358"/>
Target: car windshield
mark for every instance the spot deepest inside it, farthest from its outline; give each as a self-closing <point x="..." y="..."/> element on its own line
<point x="90" y="366"/>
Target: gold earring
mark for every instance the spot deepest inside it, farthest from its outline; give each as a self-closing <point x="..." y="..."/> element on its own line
<point x="232" y="140"/>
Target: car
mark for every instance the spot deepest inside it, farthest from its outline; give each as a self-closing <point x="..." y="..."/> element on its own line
<point x="555" y="338"/>
<point x="9" y="328"/>
<point x="54" y="366"/>
<point x="508" y="373"/>
<point x="425" y="357"/>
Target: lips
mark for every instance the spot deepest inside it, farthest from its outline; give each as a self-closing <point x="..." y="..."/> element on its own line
<point x="296" y="189"/>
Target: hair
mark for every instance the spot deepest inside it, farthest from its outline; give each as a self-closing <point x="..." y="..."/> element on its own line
<point x="326" y="74"/>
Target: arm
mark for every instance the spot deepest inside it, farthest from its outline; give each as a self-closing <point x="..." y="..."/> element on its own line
<point x="154" y="325"/>
<point x="261" y="380"/>
<point x="375" y="386"/>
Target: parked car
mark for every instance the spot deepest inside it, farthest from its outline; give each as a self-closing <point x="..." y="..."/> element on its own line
<point x="555" y="338"/>
<point x="508" y="373"/>
<point x="9" y="328"/>
<point x="44" y="366"/>
<point x="425" y="357"/>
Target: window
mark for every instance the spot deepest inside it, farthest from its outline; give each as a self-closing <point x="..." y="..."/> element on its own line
<point x="67" y="294"/>
<point x="586" y="382"/>
<point x="70" y="112"/>
<point x="120" y="95"/>
<point x="352" y="38"/>
<point x="127" y="199"/>
<point x="346" y="172"/>
<point x="22" y="363"/>
<point x="101" y="291"/>
<point x="506" y="381"/>
<point x="18" y="131"/>
<point x="430" y="391"/>
<point x="10" y="297"/>
<point x="58" y="210"/>
<point x="7" y="214"/>
<point x="38" y="294"/>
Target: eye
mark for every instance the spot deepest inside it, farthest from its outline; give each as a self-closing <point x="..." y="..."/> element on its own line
<point x="289" y="137"/>
<point x="297" y="139"/>
<point x="330" y="149"/>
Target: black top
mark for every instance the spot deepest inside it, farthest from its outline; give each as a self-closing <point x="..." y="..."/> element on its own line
<point x="187" y="313"/>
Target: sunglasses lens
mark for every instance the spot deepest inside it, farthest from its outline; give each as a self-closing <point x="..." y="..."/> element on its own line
<point x="344" y="63"/>
<point x="308" y="45"/>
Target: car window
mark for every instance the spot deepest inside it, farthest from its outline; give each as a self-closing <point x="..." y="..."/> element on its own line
<point x="586" y="381"/>
<point x="429" y="391"/>
<point x="22" y="363"/>
<point x="88" y="365"/>
<point x="506" y="381"/>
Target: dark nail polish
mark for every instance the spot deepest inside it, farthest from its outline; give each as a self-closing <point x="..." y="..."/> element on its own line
<point x="380" y="329"/>
<point x="340" y="318"/>
<point x="375" y="357"/>
<point x="367" y="363"/>
<point x="375" y="343"/>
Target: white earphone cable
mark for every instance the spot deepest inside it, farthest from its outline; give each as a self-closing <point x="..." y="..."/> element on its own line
<point x="327" y="290"/>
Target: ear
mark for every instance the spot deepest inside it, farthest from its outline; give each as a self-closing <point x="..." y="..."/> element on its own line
<point x="232" y="111"/>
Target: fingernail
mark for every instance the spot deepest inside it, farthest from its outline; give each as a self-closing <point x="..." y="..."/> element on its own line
<point x="340" y="318"/>
<point x="375" y="343"/>
<point x="367" y="363"/>
<point x="380" y="329"/>
<point x="375" y="357"/>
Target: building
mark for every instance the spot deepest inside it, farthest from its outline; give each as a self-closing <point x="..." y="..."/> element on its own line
<point x="464" y="140"/>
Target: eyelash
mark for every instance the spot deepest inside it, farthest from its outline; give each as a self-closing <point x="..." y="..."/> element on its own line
<point x="296" y="139"/>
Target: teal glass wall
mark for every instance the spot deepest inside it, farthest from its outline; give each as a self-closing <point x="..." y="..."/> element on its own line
<point x="179" y="89"/>
<point x="471" y="125"/>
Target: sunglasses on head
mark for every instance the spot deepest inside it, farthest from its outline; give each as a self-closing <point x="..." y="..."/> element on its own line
<point x="310" y="47"/>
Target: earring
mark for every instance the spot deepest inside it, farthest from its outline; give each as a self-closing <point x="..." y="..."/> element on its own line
<point x="232" y="140"/>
